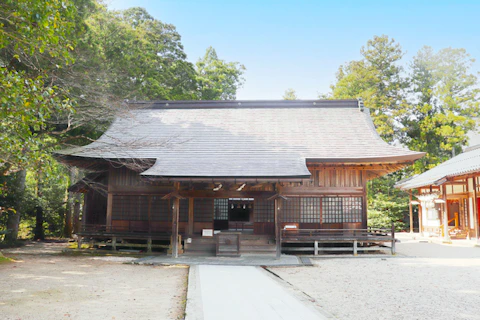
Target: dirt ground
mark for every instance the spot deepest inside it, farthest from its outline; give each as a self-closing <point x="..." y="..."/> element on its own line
<point x="424" y="281"/>
<point x="42" y="285"/>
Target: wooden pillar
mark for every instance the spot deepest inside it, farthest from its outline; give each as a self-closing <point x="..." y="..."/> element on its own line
<point x="149" y="213"/>
<point x="475" y="208"/>
<point x="365" y="206"/>
<point x="393" y="238"/>
<point x="278" y="225"/>
<point x="420" y="218"/>
<point x="467" y="210"/>
<point x="175" y="214"/>
<point x="446" y="235"/>
<point x="149" y="245"/>
<point x="84" y="211"/>
<point x="109" y="211"/>
<point x="411" y="213"/>
<point x="190" y="216"/>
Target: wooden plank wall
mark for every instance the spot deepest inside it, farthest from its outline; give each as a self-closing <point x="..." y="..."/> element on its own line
<point x="325" y="181"/>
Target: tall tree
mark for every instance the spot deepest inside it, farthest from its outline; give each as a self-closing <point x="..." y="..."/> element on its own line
<point x="32" y="34"/>
<point x="36" y="40"/>
<point x="377" y="78"/>
<point x="217" y="79"/>
<point x="290" y="94"/>
<point x="444" y="105"/>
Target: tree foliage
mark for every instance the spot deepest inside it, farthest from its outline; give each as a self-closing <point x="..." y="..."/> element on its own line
<point x="443" y="107"/>
<point x="217" y="79"/>
<point x="429" y="107"/>
<point x="290" y="94"/>
<point x="32" y="33"/>
<point x="377" y="79"/>
<point x="386" y="204"/>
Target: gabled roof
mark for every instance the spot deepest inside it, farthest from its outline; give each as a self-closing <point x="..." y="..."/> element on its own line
<point x="465" y="163"/>
<point x="243" y="138"/>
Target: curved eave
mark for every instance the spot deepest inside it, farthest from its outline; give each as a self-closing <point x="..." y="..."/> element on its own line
<point x="436" y="181"/>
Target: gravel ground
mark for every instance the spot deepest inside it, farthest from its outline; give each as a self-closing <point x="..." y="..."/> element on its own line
<point x="39" y="285"/>
<point x="424" y="281"/>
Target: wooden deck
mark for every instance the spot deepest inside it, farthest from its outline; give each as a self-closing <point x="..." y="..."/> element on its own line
<point x="338" y="240"/>
<point x="291" y="240"/>
<point x="114" y="237"/>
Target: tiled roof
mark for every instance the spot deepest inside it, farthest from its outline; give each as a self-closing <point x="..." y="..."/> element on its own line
<point x="244" y="138"/>
<point x="465" y="163"/>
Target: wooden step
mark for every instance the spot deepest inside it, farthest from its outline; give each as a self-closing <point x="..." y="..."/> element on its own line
<point x="254" y="242"/>
<point x="199" y="247"/>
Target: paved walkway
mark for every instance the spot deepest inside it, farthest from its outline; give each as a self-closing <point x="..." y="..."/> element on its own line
<point x="243" y="292"/>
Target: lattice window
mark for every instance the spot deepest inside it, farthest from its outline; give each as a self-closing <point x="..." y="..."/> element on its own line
<point x="183" y="210"/>
<point x="352" y="209"/>
<point x="264" y="210"/>
<point x="202" y="210"/>
<point x="332" y="211"/>
<point x="310" y="210"/>
<point x="342" y="209"/>
<point x="220" y="209"/>
<point x="291" y="210"/>
<point x="130" y="208"/>
<point x="160" y="209"/>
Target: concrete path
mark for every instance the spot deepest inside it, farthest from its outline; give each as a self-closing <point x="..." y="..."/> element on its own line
<point x="243" y="292"/>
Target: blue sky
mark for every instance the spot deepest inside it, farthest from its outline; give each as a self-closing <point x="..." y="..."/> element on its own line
<point x="301" y="44"/>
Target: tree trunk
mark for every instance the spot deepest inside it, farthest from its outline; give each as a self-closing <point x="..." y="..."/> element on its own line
<point x="13" y="221"/>
<point x="39" y="233"/>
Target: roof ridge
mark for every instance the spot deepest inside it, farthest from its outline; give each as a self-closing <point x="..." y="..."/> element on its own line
<point x="237" y="104"/>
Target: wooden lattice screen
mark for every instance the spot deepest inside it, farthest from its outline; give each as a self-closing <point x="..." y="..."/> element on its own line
<point x="202" y="210"/>
<point x="130" y="208"/>
<point x="264" y="210"/>
<point x="221" y="209"/>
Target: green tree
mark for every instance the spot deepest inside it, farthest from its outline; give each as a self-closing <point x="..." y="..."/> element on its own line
<point x="377" y="78"/>
<point x="32" y="32"/>
<point x="386" y="204"/>
<point x="444" y="105"/>
<point x="217" y="79"/>
<point x="36" y="40"/>
<point x="290" y="94"/>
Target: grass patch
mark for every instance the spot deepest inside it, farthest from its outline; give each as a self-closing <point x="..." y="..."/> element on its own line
<point x="4" y="259"/>
<point x="74" y="245"/>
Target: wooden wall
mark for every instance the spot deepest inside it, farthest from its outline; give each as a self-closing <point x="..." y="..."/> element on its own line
<point x="325" y="182"/>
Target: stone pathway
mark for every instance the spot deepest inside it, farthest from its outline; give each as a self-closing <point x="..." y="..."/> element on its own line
<point x="244" y="292"/>
<point x="244" y="260"/>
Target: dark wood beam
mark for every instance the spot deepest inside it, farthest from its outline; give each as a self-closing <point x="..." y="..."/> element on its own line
<point x="175" y="216"/>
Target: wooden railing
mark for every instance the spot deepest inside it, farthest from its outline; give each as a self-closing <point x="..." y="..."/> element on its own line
<point x="130" y="228"/>
<point x="333" y="236"/>
<point x="337" y="234"/>
<point x="455" y="218"/>
<point x="110" y="235"/>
